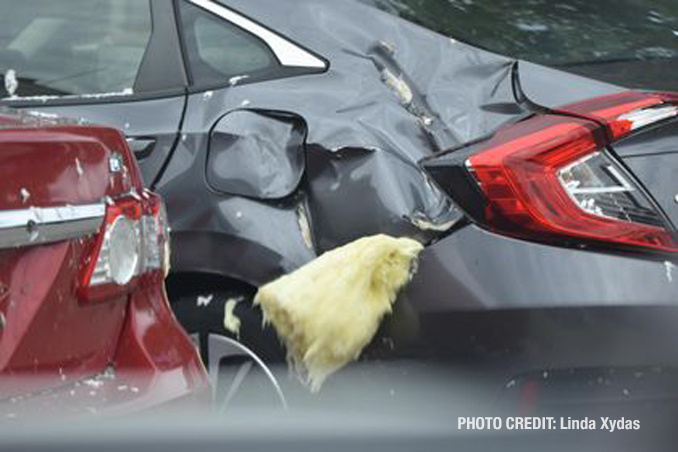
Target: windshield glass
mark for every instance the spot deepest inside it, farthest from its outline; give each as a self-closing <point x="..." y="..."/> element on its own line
<point x="567" y="33"/>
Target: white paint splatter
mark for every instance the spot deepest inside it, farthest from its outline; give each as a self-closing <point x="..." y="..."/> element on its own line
<point x="78" y="167"/>
<point x="25" y="195"/>
<point x="93" y="383"/>
<point x="45" y="98"/>
<point x="237" y="79"/>
<point x="11" y="82"/>
<point x="204" y="300"/>
<point x="668" y="267"/>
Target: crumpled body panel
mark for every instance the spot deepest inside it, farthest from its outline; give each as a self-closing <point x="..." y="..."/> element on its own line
<point x="394" y="93"/>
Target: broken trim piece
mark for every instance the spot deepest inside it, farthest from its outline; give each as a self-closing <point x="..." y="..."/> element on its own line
<point x="37" y="225"/>
<point x="288" y="53"/>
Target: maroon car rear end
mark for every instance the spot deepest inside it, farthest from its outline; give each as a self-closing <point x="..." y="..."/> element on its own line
<point x="84" y="321"/>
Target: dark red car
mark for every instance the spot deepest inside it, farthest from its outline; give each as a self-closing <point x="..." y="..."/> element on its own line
<point x="85" y="324"/>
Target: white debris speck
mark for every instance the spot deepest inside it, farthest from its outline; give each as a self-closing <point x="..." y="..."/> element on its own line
<point x="398" y="85"/>
<point x="545" y="375"/>
<point x="237" y="79"/>
<point x="626" y="392"/>
<point x="245" y="103"/>
<point x="668" y="267"/>
<point x="675" y="32"/>
<point x="238" y="214"/>
<point x="11" y="82"/>
<point x="122" y="388"/>
<point x="390" y="48"/>
<point x="426" y="225"/>
<point x="127" y="125"/>
<point x="231" y="321"/>
<point x="134" y="389"/>
<point x="204" y="300"/>
<point x="93" y="383"/>
<point x="25" y="195"/>
<point x="207" y="95"/>
<point x="426" y="120"/>
<point x="525" y="26"/>
<point x="304" y="226"/>
<point x="45" y="98"/>
<point x="510" y="384"/>
<point x="78" y="167"/>
<point x="184" y="137"/>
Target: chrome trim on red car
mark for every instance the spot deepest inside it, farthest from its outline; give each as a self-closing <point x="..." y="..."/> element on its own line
<point x="38" y="225"/>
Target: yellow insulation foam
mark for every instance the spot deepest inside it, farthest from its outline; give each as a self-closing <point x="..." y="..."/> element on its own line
<point x="231" y="321"/>
<point x="327" y="311"/>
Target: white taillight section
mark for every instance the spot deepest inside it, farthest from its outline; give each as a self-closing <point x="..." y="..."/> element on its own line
<point x="123" y="250"/>
<point x="134" y="242"/>
<point x="599" y="186"/>
<point x="648" y="116"/>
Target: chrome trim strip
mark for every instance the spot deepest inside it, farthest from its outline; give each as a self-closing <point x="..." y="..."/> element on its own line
<point x="288" y="53"/>
<point x="38" y="225"/>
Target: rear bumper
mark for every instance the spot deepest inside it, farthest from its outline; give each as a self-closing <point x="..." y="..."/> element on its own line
<point x="156" y="366"/>
<point x="503" y="308"/>
<point x="488" y="271"/>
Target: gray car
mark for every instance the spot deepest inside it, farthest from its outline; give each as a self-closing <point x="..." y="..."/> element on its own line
<point x="277" y="130"/>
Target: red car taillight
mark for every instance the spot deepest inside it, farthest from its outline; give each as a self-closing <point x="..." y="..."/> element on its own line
<point x="133" y="245"/>
<point x="551" y="177"/>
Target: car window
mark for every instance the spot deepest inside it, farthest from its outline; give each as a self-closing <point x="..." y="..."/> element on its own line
<point x="71" y="47"/>
<point x="218" y="50"/>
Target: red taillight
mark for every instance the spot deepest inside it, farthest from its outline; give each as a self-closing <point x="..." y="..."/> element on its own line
<point x="626" y="112"/>
<point x="551" y="178"/>
<point x="132" y="245"/>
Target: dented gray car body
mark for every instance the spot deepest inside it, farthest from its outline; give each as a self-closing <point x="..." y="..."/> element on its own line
<point x="262" y="174"/>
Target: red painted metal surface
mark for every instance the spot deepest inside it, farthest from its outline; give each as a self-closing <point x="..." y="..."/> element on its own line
<point x="51" y="339"/>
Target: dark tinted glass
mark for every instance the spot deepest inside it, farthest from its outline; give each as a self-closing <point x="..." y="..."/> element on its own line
<point x="218" y="50"/>
<point x="633" y="42"/>
<point x="71" y="47"/>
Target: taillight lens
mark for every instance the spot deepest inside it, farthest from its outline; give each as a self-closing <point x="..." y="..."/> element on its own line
<point x="551" y="178"/>
<point x="133" y="245"/>
<point x="626" y="112"/>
